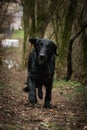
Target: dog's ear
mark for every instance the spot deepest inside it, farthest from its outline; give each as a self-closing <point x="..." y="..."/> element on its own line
<point x="33" y="40"/>
<point x="54" y="48"/>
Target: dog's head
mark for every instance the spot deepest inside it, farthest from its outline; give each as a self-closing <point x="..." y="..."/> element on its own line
<point x="44" y="48"/>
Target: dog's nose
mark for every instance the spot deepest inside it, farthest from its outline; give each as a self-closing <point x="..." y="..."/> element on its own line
<point x="41" y="55"/>
<point x="41" y="58"/>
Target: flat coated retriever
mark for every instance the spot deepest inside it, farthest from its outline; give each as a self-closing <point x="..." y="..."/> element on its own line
<point x="41" y="65"/>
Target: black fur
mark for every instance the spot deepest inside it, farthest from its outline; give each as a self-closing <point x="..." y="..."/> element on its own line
<point x="41" y="65"/>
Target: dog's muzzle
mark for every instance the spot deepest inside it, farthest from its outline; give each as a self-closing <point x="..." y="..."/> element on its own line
<point x="42" y="59"/>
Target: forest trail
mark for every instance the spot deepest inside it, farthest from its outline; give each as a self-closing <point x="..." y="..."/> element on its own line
<point x="68" y="113"/>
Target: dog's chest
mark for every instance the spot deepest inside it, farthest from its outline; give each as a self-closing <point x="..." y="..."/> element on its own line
<point x="42" y="69"/>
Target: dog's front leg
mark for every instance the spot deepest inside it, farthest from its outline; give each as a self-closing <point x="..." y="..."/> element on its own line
<point x="40" y="93"/>
<point x="32" y="91"/>
<point x="48" y="97"/>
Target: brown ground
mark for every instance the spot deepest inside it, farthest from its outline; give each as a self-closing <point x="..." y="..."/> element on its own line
<point x="68" y="111"/>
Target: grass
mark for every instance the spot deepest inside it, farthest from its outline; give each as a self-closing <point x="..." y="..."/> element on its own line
<point x="60" y="83"/>
<point x="72" y="89"/>
<point x="19" y="34"/>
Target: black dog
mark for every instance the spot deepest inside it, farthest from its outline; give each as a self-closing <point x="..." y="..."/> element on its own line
<point x="41" y="65"/>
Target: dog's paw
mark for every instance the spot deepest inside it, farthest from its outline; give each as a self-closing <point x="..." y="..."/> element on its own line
<point x="32" y="98"/>
<point x="47" y="105"/>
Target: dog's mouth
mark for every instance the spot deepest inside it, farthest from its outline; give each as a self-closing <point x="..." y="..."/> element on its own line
<point x="41" y="60"/>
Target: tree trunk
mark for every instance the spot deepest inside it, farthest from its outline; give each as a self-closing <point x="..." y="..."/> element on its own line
<point x="32" y="11"/>
<point x="67" y="29"/>
<point x="43" y="17"/>
<point x="69" y="56"/>
<point x="26" y="31"/>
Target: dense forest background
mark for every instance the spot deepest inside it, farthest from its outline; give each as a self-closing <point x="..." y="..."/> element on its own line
<point x="63" y="21"/>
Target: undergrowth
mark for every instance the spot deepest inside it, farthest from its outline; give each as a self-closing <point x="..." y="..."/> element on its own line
<point x="78" y="90"/>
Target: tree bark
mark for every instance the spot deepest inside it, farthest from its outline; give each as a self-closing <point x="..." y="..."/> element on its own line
<point x="69" y="56"/>
<point x="26" y="31"/>
<point x="67" y="29"/>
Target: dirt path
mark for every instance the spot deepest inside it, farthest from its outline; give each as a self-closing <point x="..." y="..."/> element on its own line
<point x="16" y="113"/>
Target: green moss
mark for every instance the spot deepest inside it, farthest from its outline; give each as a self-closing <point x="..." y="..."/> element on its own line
<point x="18" y="34"/>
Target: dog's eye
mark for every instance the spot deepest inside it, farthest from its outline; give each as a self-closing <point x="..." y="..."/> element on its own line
<point x="39" y="45"/>
<point x="48" y="46"/>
